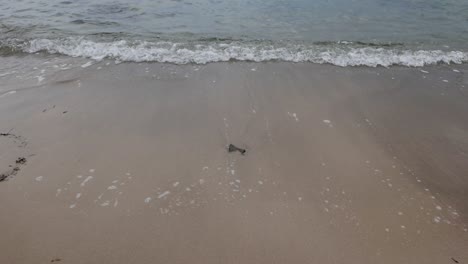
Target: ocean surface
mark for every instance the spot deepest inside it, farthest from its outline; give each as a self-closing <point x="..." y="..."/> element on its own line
<point x="339" y="32"/>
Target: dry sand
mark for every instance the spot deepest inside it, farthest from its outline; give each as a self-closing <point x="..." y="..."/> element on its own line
<point x="128" y="164"/>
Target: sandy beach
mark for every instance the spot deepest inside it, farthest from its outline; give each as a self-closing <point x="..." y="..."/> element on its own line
<point x="128" y="163"/>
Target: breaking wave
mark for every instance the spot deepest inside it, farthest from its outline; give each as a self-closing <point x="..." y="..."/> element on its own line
<point x="202" y="52"/>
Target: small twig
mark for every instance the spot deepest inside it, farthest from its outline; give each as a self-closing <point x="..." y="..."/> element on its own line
<point x="233" y="148"/>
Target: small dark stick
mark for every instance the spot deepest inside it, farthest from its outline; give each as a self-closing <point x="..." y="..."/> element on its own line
<point x="233" y="148"/>
<point x="454" y="260"/>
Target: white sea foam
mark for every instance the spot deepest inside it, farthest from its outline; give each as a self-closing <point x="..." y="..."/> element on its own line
<point x="7" y="93"/>
<point x="183" y="53"/>
<point x="86" y="180"/>
<point x="163" y="194"/>
<point x="89" y="63"/>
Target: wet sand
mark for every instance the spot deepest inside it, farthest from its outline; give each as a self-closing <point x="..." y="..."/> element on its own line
<point x="128" y="163"/>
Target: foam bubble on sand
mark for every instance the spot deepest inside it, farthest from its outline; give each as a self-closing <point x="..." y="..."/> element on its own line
<point x="455" y="70"/>
<point x="423" y="71"/>
<point x="112" y="187"/>
<point x="79" y="176"/>
<point x="400" y="213"/>
<point x="72" y="206"/>
<point x="293" y="115"/>
<point x="299" y="198"/>
<point x="446" y="81"/>
<point x="260" y="182"/>
<point x="387" y="230"/>
<point x="116" y="202"/>
<point x="92" y="170"/>
<point x="438" y="207"/>
<point x="86" y="180"/>
<point x="39" y="178"/>
<point x="147" y="199"/>
<point x="437" y="219"/>
<point x="106" y="203"/>
<point x="58" y="192"/>
<point x="175" y="184"/>
<point x="164" y="194"/>
<point x="326" y="121"/>
<point x="78" y="195"/>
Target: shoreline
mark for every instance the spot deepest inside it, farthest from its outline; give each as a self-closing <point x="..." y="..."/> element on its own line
<point x="128" y="163"/>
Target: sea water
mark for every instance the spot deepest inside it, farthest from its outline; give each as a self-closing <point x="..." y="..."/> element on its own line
<point x="339" y="32"/>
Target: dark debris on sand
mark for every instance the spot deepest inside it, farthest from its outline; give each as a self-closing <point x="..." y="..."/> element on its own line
<point x="233" y="148"/>
<point x="20" y="161"/>
<point x="4" y="176"/>
<point x="17" y="139"/>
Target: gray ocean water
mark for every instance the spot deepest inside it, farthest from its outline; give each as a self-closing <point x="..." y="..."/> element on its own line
<point x="340" y="32"/>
